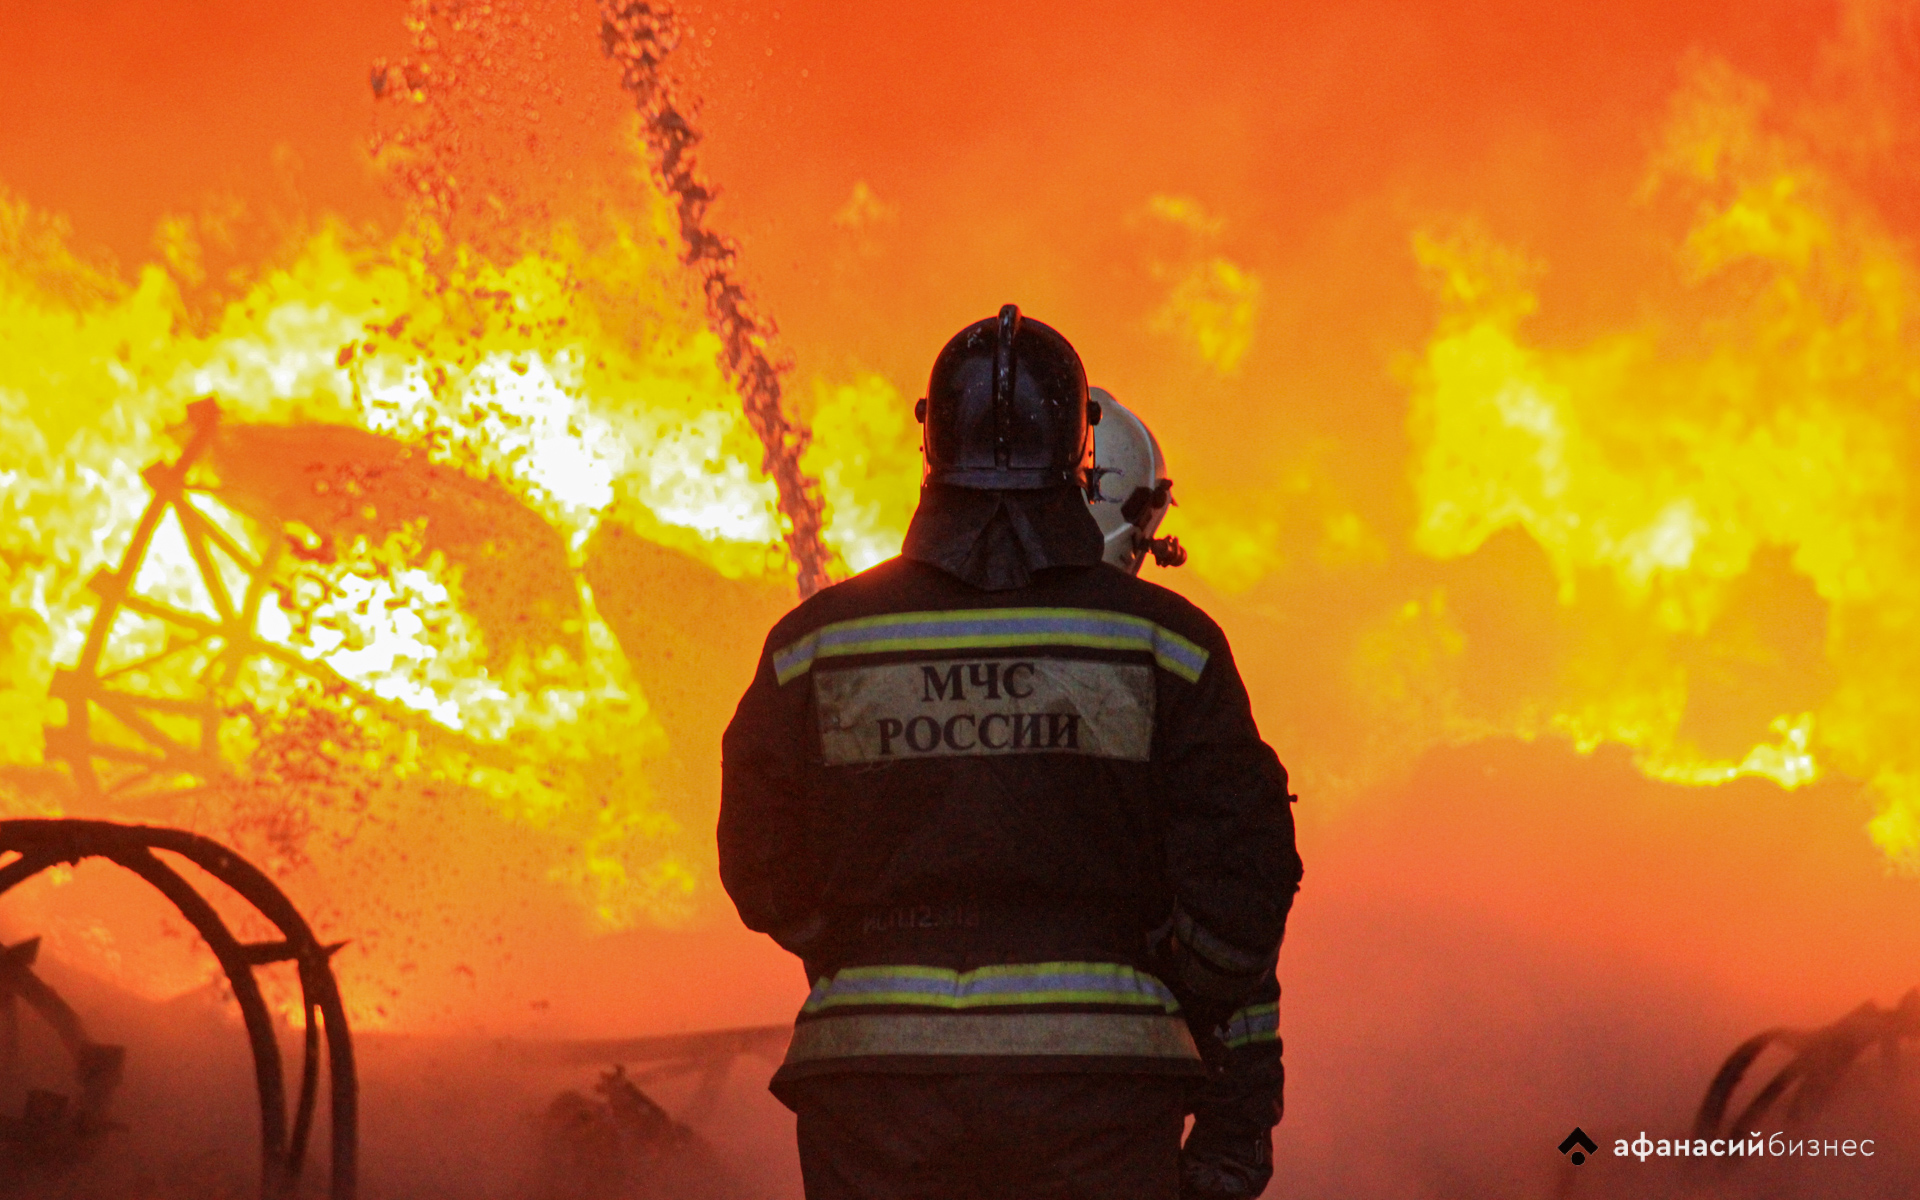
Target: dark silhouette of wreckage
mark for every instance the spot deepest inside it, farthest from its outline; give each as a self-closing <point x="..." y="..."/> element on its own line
<point x="55" y="1128"/>
<point x="1821" y="1060"/>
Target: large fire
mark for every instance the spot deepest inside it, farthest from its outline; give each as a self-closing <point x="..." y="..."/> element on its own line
<point x="510" y="469"/>
<point x="528" y="469"/>
<point x="1723" y="496"/>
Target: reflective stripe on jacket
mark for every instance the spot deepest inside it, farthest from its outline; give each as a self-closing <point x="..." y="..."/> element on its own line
<point x="1064" y="1009"/>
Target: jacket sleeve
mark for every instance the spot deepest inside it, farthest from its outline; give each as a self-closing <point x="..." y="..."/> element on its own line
<point x="1230" y="848"/>
<point x="765" y="863"/>
<point x="1228" y="1155"/>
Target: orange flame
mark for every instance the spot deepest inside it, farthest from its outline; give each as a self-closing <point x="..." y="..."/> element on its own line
<point x="529" y="517"/>
<point x="455" y="436"/>
<point x="1665" y="472"/>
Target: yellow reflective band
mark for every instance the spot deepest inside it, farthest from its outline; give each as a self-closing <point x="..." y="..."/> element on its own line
<point x="1254" y="1023"/>
<point x="992" y="628"/>
<point x="1128" y="1035"/>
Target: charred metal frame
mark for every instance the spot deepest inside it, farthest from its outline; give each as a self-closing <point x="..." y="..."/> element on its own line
<point x="152" y="760"/>
<point x="141" y="758"/>
<point x="41" y="844"/>
<point x="162" y="758"/>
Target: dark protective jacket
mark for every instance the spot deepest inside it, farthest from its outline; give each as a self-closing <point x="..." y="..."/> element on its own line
<point x="969" y="811"/>
<point x="1229" y="1153"/>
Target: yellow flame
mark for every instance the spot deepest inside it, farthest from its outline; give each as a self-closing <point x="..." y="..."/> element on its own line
<point x="866" y="455"/>
<point x="1213" y="303"/>
<point x="1656" y="468"/>
<point x="1675" y="480"/>
<point x="576" y="374"/>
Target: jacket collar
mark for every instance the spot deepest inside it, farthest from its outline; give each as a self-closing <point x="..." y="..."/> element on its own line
<point x="997" y="540"/>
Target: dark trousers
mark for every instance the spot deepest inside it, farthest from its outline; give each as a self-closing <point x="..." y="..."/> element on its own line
<point x="989" y="1136"/>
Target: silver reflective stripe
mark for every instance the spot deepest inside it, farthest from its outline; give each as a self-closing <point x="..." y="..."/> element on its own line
<point x="996" y="986"/>
<point x="1254" y="1023"/>
<point x="1144" y="1035"/>
<point x="987" y="706"/>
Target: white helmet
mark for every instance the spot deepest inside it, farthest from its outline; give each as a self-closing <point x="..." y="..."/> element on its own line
<point x="1128" y="488"/>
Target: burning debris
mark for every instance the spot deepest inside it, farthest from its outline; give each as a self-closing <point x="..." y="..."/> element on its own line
<point x="153" y="722"/>
<point x="621" y="1145"/>
<point x="156" y="722"/>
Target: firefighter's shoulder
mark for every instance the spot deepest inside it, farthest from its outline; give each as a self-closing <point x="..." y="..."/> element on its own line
<point x="857" y="596"/>
<point x="1163" y="606"/>
<point x="896" y="585"/>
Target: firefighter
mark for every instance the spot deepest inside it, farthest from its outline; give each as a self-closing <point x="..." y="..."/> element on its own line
<point x="1229" y="1153"/>
<point x="1010" y="809"/>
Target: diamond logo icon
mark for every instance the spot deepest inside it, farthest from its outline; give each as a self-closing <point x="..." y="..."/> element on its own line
<point x="1580" y="1144"/>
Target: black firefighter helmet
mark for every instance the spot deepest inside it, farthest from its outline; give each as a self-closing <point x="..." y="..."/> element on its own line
<point x="1007" y="407"/>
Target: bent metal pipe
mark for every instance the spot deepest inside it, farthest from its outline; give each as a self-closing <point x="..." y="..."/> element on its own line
<point x="41" y="844"/>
